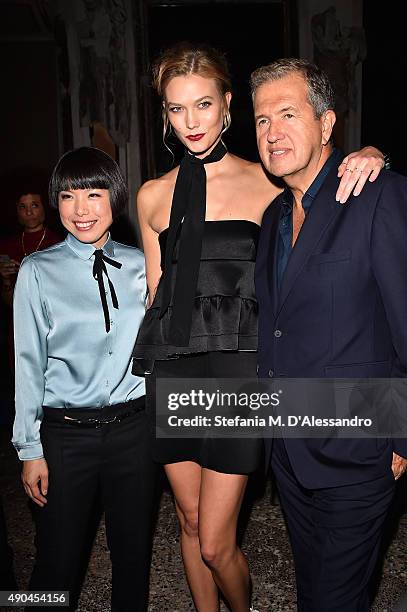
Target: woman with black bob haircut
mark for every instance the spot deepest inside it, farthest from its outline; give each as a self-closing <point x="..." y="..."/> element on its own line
<point x="80" y="427"/>
<point x="87" y="171"/>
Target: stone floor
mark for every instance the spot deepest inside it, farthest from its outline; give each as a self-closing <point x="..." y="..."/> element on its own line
<point x="265" y="544"/>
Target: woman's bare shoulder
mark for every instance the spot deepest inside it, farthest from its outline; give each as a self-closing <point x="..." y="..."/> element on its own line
<point x="156" y="191"/>
<point x="158" y="186"/>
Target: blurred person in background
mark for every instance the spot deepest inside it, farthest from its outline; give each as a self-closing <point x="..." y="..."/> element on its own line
<point x="33" y="236"/>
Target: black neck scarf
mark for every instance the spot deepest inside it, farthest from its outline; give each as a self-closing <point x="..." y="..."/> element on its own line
<point x="188" y="211"/>
<point x="98" y="269"/>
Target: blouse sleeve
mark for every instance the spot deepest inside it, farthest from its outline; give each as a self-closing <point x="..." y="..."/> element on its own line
<point x="31" y="327"/>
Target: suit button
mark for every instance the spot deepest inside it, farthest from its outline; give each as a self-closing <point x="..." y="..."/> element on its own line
<point x="271" y="373"/>
<point x="257" y="369"/>
<point x="278" y="333"/>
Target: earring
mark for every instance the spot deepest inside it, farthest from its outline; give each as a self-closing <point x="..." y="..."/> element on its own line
<point x="227" y="120"/>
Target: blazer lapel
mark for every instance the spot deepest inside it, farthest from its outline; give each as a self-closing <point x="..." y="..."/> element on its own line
<point x="321" y="214"/>
<point x="273" y="250"/>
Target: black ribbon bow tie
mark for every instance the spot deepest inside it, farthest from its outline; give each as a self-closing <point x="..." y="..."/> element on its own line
<point x="99" y="268"/>
<point x="188" y="211"/>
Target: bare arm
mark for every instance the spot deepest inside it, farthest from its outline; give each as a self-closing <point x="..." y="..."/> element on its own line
<point x="149" y="237"/>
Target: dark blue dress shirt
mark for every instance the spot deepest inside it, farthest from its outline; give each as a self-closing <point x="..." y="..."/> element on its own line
<point x="286" y="220"/>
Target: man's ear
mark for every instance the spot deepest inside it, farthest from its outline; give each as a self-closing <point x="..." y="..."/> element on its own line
<point x="328" y="120"/>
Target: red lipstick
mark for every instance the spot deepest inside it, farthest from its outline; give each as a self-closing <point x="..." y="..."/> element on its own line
<point x="195" y="137"/>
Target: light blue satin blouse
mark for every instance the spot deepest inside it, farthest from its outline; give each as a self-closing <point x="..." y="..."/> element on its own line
<point x="64" y="357"/>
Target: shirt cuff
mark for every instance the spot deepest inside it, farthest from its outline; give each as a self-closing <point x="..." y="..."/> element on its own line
<point x="33" y="451"/>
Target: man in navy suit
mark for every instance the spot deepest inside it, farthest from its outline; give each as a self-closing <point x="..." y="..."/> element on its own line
<point x="331" y="281"/>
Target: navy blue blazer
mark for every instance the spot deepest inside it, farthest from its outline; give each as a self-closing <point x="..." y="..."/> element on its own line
<point x="341" y="311"/>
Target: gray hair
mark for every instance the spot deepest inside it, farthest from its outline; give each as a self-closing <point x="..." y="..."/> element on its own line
<point x="320" y="93"/>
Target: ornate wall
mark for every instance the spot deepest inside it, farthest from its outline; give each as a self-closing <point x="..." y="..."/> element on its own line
<point x="103" y="87"/>
<point x="331" y="34"/>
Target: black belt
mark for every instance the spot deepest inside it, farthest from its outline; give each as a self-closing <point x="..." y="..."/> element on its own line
<point x="114" y="413"/>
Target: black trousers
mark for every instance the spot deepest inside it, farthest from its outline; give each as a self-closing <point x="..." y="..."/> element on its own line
<point x="111" y="463"/>
<point x="335" y="537"/>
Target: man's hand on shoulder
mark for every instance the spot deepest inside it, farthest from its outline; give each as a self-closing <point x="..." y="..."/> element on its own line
<point x="398" y="466"/>
<point x="35" y="480"/>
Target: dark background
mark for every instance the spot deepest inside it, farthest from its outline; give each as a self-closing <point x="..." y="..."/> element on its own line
<point x="34" y="69"/>
<point x="35" y="125"/>
<point x="384" y="74"/>
<point x="35" y="117"/>
<point x="34" y="73"/>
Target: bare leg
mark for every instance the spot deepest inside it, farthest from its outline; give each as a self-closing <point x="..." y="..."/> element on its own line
<point x="185" y="480"/>
<point x="220" y="500"/>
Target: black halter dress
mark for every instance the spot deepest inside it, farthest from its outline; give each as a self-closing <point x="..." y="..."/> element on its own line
<point x="223" y="339"/>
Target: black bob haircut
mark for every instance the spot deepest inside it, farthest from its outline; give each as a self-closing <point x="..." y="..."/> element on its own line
<point x="89" y="168"/>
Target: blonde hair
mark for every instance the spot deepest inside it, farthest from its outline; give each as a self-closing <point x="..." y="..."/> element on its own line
<point x="183" y="59"/>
